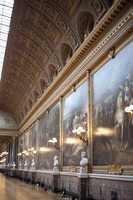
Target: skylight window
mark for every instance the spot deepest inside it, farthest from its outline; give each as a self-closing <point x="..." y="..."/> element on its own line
<point x="6" y="7"/>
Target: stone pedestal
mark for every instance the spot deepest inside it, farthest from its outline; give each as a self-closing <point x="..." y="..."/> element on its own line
<point x="20" y="168"/>
<point x="55" y="169"/>
<point x="55" y="180"/>
<point x="83" y="183"/>
<point x="26" y="168"/>
<point x="83" y="170"/>
<point x="33" y="168"/>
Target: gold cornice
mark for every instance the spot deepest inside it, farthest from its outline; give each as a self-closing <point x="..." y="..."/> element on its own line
<point x="78" y="64"/>
<point x="95" y="34"/>
<point x="9" y="132"/>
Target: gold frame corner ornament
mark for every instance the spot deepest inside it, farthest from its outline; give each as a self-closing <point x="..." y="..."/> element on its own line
<point x="115" y="170"/>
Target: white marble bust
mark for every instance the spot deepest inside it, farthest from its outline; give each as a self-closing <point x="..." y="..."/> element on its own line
<point x="56" y="164"/>
<point x="33" y="164"/>
<point x="83" y="163"/>
<point x="20" y="164"/>
<point x="13" y="165"/>
<point x="26" y="164"/>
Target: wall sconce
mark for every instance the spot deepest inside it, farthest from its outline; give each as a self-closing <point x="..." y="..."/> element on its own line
<point x="25" y="153"/>
<point x="129" y="111"/>
<point x="33" y="151"/>
<point x="19" y="154"/>
<point x="53" y="142"/>
<point x="4" y="153"/>
<point x="79" y="132"/>
<point x="3" y="160"/>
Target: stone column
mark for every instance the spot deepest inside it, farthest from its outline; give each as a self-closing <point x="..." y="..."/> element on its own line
<point x="10" y="152"/>
<point x="37" y="145"/>
<point x="8" y="156"/>
<point x="14" y="150"/>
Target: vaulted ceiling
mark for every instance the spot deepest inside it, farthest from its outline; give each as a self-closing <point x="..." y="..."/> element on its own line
<point x="43" y="37"/>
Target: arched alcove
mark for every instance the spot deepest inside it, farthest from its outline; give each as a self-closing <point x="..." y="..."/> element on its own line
<point x="18" y="119"/>
<point x="85" y="25"/>
<point x="7" y="120"/>
<point x="36" y="95"/>
<point x="30" y="103"/>
<point x="43" y="85"/>
<point x="52" y="71"/>
<point x="25" y="109"/>
<point x="66" y="53"/>
<point x="22" y="115"/>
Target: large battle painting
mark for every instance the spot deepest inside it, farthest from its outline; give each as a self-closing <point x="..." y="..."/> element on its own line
<point x="48" y="129"/>
<point x="21" y="144"/>
<point x="112" y="128"/>
<point x="75" y="116"/>
<point x="32" y="137"/>
<point x="26" y="141"/>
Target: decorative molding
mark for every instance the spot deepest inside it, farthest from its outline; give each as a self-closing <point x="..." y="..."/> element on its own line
<point x="111" y="177"/>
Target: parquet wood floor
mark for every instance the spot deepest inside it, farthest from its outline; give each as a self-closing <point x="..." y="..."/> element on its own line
<point x="14" y="189"/>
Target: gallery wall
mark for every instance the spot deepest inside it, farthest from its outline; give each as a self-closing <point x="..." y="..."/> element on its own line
<point x="99" y="109"/>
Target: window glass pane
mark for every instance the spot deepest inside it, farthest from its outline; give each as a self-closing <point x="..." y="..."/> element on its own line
<point x="6" y="7"/>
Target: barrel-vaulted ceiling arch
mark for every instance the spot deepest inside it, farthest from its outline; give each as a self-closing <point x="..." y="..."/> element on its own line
<point x="43" y="37"/>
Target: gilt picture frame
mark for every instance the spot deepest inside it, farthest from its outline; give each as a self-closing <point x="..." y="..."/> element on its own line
<point x="112" y="91"/>
<point x="75" y="115"/>
<point x="49" y="128"/>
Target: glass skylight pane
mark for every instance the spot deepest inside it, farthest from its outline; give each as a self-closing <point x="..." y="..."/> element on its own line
<point x="3" y="33"/>
<point x="0" y="9"/>
<point x="7" y="8"/>
<point x="2" y="42"/>
<point x="9" y="2"/>
<point x="5" y="17"/>
<point x="4" y="29"/>
<point x="7" y="13"/>
<point x="1" y="56"/>
<point x="6" y="20"/>
<point x="4" y="11"/>
<point x="5" y="37"/>
<point x="1" y="52"/>
<point x="1" y="49"/>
